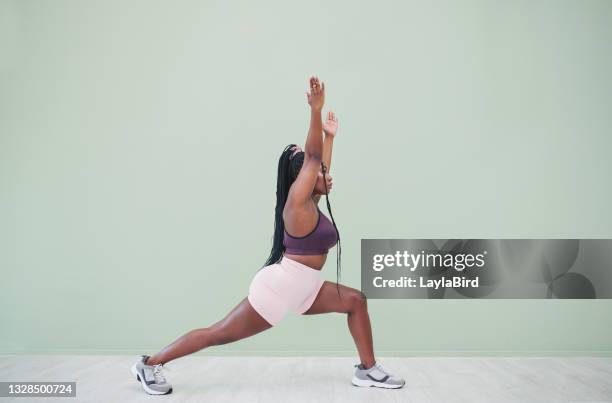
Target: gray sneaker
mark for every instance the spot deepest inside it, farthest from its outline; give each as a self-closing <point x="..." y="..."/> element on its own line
<point x="151" y="377"/>
<point x="376" y="376"/>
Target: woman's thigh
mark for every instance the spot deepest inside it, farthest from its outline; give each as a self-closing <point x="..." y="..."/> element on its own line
<point x="241" y="322"/>
<point x="328" y="300"/>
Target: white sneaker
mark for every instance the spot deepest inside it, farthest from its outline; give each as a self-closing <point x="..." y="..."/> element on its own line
<point x="377" y="376"/>
<point x="151" y="377"/>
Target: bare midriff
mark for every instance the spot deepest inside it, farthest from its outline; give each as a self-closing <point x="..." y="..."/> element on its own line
<point x="315" y="262"/>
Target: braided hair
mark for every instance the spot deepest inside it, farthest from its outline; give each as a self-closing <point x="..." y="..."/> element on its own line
<point x="288" y="169"/>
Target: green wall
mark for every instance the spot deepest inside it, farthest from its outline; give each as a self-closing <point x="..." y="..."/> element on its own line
<point x="139" y="142"/>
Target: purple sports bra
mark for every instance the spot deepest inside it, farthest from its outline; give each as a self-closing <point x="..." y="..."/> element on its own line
<point x="317" y="242"/>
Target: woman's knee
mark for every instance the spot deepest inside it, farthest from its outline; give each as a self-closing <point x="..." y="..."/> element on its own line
<point x="210" y="336"/>
<point x="357" y="301"/>
<point x="221" y="335"/>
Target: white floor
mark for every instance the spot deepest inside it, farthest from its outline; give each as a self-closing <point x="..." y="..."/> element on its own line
<point x="324" y="379"/>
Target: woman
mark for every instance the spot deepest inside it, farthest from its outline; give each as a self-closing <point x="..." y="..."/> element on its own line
<point x="291" y="279"/>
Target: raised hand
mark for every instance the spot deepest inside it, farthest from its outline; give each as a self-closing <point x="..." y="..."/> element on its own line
<point x="316" y="95"/>
<point x="330" y="126"/>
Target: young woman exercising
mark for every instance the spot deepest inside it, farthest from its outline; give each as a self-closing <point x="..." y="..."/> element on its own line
<point x="291" y="278"/>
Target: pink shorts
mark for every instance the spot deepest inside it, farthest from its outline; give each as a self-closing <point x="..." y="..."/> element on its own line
<point x="282" y="287"/>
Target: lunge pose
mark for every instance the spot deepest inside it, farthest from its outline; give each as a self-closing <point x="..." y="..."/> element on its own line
<point x="291" y="279"/>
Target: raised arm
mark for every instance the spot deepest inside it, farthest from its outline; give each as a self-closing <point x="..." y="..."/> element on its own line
<point x="330" y="127"/>
<point x="304" y="184"/>
<point x="314" y="141"/>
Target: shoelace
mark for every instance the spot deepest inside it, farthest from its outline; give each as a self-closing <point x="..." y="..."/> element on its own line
<point x="379" y="366"/>
<point x="157" y="373"/>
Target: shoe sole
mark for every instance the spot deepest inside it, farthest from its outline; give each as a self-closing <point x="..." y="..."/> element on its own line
<point x="366" y="383"/>
<point x="144" y="384"/>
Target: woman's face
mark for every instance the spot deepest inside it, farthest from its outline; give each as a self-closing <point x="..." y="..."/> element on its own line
<point x="320" y="184"/>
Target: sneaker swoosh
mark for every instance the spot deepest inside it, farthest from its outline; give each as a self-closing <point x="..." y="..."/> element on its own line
<point x="145" y="378"/>
<point x="378" y="380"/>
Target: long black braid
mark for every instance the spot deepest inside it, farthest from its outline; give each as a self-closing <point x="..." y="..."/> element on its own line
<point x="288" y="170"/>
<point x="339" y="250"/>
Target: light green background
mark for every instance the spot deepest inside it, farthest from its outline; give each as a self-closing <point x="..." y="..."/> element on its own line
<point x="139" y="143"/>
